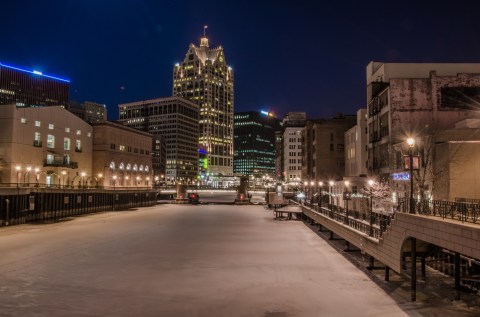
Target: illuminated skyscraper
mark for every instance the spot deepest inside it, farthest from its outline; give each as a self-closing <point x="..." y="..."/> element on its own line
<point x="26" y="88"/>
<point x="205" y="79"/>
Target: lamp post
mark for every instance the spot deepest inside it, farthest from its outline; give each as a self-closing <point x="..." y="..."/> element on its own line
<point x="100" y="175"/>
<point x="63" y="178"/>
<point x="320" y="185"/>
<point x="411" y="144"/>
<point x="36" y="176"/>
<point x="346" y="197"/>
<point x="83" y="179"/>
<point x="331" y="183"/>
<point x="114" y="181"/>
<point x="29" y="169"/>
<point x="312" y="183"/>
<point x="18" y="169"/>
<point x="370" y="184"/>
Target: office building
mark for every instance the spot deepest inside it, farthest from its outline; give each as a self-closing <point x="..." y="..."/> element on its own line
<point x="204" y="78"/>
<point x="26" y="88"/>
<point x="176" y="120"/>
<point x="293" y="125"/>
<point x="254" y="143"/>
<point x="88" y="111"/>
<point x="356" y="149"/>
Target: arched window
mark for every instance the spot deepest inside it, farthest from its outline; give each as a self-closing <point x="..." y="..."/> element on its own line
<point x="135" y="167"/>
<point x="122" y="166"/>
<point x="146" y="168"/>
<point x="129" y="167"/>
<point x="141" y="168"/>
<point x="112" y="165"/>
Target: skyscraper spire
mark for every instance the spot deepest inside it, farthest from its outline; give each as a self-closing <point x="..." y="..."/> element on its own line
<point x="204" y="39"/>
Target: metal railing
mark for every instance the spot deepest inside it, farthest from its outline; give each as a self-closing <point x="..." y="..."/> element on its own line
<point x="356" y="220"/>
<point x="462" y="210"/>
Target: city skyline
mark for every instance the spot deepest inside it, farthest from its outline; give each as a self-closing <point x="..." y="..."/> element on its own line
<point x="320" y="51"/>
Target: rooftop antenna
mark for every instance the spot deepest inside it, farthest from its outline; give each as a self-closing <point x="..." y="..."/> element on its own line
<point x="205" y="27"/>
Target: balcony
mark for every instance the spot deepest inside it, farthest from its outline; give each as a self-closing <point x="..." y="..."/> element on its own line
<point x="78" y="149"/>
<point x="60" y="163"/>
<point x="37" y="143"/>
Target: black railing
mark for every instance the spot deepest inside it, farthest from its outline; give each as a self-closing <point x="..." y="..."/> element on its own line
<point x="356" y="220"/>
<point x="462" y="210"/>
<point x="60" y="163"/>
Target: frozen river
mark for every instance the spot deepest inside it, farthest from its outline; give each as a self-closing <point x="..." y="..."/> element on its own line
<point x="171" y="260"/>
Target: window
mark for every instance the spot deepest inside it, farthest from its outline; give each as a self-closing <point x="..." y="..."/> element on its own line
<point x="23" y="120"/>
<point x="67" y="130"/>
<point x="135" y="167"/>
<point x="112" y="165"/>
<point x="146" y="168"/>
<point x="129" y="167"/>
<point x="37" y="123"/>
<point x="79" y="132"/>
<point x="112" y="146"/>
<point x="331" y="147"/>
<point x="141" y="168"/>
<point x="89" y="134"/>
<point x="50" y="158"/>
<point x="50" y="126"/>
<point x="78" y="145"/>
<point x="66" y="144"/>
<point x="121" y="166"/>
<point x="50" y="141"/>
<point x="121" y="147"/>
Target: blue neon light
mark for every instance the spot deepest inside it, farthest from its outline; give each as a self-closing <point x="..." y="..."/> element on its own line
<point x="35" y="72"/>
<point x="405" y="176"/>
<point x="202" y="151"/>
<point x="264" y="112"/>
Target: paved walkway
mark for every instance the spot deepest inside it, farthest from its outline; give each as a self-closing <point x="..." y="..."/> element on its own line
<point x="181" y="261"/>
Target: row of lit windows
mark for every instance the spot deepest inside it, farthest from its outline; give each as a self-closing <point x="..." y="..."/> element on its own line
<point x="129" y="167"/>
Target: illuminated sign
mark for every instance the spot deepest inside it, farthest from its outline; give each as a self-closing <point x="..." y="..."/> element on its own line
<point x="36" y="72"/>
<point x="264" y="112"/>
<point x="405" y="176"/>
<point x="202" y="151"/>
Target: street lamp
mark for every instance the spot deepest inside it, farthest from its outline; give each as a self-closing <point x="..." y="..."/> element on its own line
<point x="411" y="144"/>
<point x="100" y="175"/>
<point x="36" y="176"/>
<point x="331" y="183"/>
<point x="320" y="185"/>
<point x="345" y="198"/>
<point x="29" y="169"/>
<point x="83" y="179"/>
<point x="18" y="169"/>
<point x="370" y="184"/>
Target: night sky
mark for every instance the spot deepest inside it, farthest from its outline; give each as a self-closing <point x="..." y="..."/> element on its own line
<point x="287" y="55"/>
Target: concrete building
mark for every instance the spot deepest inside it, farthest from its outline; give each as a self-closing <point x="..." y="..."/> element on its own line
<point x="292" y="143"/>
<point x="159" y="159"/>
<point x="26" y="88"/>
<point x="415" y="100"/>
<point x="254" y="143"/>
<point x="121" y="156"/>
<point x="46" y="146"/>
<point x="324" y="149"/>
<point x="356" y="146"/>
<point x="176" y="120"/>
<point x="205" y="79"/>
<point x="88" y="111"/>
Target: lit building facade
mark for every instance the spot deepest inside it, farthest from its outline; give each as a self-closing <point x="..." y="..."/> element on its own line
<point x="176" y="120"/>
<point x="26" y="88"/>
<point x="46" y="146"/>
<point x="414" y="100"/>
<point x="122" y="156"/>
<point x="205" y="79"/>
<point x="292" y="144"/>
<point x="254" y="143"/>
<point x="90" y="112"/>
<point x="356" y="150"/>
<point x="324" y="148"/>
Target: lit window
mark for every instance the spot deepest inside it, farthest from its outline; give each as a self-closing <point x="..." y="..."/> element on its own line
<point x="129" y="167"/>
<point x="141" y="168"/>
<point x="37" y="123"/>
<point x="66" y="144"/>
<point x="78" y="145"/>
<point x="89" y="134"/>
<point x="121" y="166"/>
<point x="50" y="126"/>
<point x="79" y="132"/>
<point x="50" y="141"/>
<point x="135" y="167"/>
<point x="67" y="130"/>
<point x="146" y="168"/>
<point x="121" y="147"/>
<point x="23" y="120"/>
<point x="112" y="165"/>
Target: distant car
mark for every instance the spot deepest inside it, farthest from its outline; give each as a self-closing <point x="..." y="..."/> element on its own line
<point x="193" y="198"/>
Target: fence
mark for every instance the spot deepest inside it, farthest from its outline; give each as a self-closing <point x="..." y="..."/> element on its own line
<point x="463" y="210"/>
<point x="52" y="206"/>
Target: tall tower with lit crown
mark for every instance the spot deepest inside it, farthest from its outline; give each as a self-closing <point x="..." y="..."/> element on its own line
<point x="205" y="79"/>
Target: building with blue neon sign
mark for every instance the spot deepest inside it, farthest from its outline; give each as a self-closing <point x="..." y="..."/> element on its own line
<point x="26" y="88"/>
